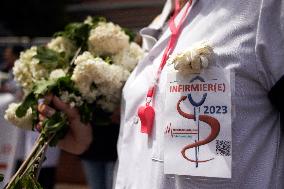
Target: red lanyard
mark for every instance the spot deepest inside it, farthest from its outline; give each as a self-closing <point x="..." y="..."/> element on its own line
<point x="147" y="113"/>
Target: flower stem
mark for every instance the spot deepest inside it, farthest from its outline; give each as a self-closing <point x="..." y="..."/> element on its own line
<point x="36" y="157"/>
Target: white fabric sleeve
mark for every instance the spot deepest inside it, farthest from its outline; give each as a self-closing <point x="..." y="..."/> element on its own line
<point x="269" y="47"/>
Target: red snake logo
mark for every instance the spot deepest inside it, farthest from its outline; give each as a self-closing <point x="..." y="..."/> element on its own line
<point x="213" y="124"/>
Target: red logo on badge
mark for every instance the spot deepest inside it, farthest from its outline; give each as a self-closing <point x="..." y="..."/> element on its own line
<point x="211" y="121"/>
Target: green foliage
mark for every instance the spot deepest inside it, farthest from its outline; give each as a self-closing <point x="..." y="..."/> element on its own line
<point x="43" y="86"/>
<point x="78" y="32"/>
<point x="59" y="135"/>
<point x="86" y="112"/>
<point x="56" y="124"/>
<point x="66" y="84"/>
<point x="51" y="59"/>
<point x="97" y="19"/>
<point x="130" y="33"/>
<point x="29" y="102"/>
<point x="107" y="59"/>
<point x="27" y="182"/>
<point x="40" y="89"/>
<point x="1" y="177"/>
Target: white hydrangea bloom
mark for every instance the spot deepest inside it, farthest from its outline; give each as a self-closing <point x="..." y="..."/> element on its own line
<point x="129" y="57"/>
<point x="107" y="39"/>
<point x="23" y="122"/>
<point x="27" y="70"/>
<point x="110" y="88"/>
<point x="57" y="73"/>
<point x="96" y="78"/>
<point x="193" y="60"/>
<point x="83" y="58"/>
<point x="113" y="80"/>
<point x="71" y="98"/>
<point x="62" y="44"/>
<point x="85" y="72"/>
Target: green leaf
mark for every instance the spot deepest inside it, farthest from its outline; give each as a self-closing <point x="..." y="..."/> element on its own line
<point x="43" y="86"/>
<point x="27" y="182"/>
<point x="77" y="32"/>
<point x="55" y="124"/>
<point x="35" y="116"/>
<point x="1" y="177"/>
<point x="107" y="59"/>
<point x="51" y="59"/>
<point x="34" y="183"/>
<point x="97" y="19"/>
<point x="66" y="84"/>
<point x="59" y="135"/>
<point x="17" y="184"/>
<point x="29" y="102"/>
<point x="53" y="128"/>
<point x="130" y="33"/>
<point x="86" y="112"/>
<point x="55" y="86"/>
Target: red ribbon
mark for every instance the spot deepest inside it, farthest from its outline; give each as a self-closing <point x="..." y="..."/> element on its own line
<point x="147" y="113"/>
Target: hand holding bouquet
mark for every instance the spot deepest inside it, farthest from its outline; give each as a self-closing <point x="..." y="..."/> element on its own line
<point x="86" y="64"/>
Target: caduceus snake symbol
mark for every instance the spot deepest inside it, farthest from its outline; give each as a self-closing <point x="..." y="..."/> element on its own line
<point x="211" y="121"/>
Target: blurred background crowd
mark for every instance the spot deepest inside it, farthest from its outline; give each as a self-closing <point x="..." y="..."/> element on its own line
<point x="33" y="22"/>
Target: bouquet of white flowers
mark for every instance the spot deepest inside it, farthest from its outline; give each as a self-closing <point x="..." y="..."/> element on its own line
<point x="86" y="64"/>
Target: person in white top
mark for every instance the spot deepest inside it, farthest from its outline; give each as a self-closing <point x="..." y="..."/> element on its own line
<point x="207" y="121"/>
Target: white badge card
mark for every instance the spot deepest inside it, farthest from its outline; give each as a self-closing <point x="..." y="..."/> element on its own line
<point x="198" y="139"/>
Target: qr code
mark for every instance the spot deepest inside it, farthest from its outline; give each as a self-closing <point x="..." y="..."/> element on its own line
<point x="223" y="147"/>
